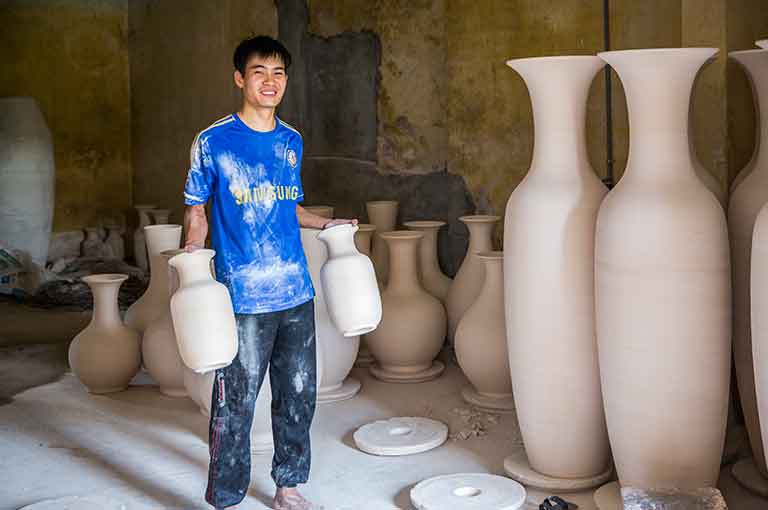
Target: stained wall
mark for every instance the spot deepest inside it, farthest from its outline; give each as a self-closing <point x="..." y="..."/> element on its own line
<point x="72" y="57"/>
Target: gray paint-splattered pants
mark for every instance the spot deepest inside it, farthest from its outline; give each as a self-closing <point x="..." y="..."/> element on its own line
<point x="284" y="341"/>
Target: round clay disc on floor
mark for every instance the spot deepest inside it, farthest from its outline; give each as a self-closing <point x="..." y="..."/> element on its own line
<point x="401" y="436"/>
<point x="347" y="390"/>
<point x="78" y="503"/>
<point x="468" y="492"/>
<point x="608" y="497"/>
<point x="745" y="472"/>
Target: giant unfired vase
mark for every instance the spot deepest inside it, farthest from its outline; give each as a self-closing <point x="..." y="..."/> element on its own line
<point x="549" y="234"/>
<point x="747" y="200"/>
<point x="663" y="287"/>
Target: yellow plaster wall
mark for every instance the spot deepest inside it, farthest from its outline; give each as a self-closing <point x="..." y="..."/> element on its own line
<point x="71" y="56"/>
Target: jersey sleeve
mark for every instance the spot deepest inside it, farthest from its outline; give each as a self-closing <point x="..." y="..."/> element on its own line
<point x="200" y="177"/>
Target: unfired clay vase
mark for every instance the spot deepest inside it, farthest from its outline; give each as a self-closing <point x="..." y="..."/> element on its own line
<point x="759" y="315"/>
<point x="93" y="246"/>
<point x="349" y="283"/>
<point x="160" y="216"/>
<point x="763" y="43"/>
<point x="105" y="355"/>
<point x="432" y="277"/>
<point x="469" y="279"/>
<point x="26" y="180"/>
<point x="549" y="234"/>
<point x="139" y="243"/>
<point x="154" y="302"/>
<point x="160" y="352"/>
<point x="383" y="214"/>
<point x="202" y="313"/>
<point x="412" y="327"/>
<point x="325" y="211"/>
<point x="198" y="388"/>
<point x="337" y="352"/>
<point x="663" y="287"/>
<point x="746" y="202"/>
<point x="481" y="342"/>
<point x="363" y="242"/>
<point x="115" y="241"/>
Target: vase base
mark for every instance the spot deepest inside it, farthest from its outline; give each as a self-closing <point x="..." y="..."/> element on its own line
<point x="518" y="468"/>
<point x="486" y="403"/>
<point x="468" y="491"/>
<point x="174" y="392"/>
<point x="746" y="473"/>
<point x="430" y="373"/>
<point x="608" y="497"/>
<point x="349" y="388"/>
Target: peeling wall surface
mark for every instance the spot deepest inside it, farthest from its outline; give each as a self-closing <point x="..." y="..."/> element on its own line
<point x="71" y="56"/>
<point x="181" y="82"/>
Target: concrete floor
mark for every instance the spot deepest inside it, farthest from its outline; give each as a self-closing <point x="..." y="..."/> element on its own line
<point x="139" y="450"/>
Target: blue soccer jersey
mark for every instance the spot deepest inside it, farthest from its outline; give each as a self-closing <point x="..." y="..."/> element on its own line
<point x="253" y="180"/>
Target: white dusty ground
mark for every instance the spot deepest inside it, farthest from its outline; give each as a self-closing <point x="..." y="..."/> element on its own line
<point x="139" y="450"/>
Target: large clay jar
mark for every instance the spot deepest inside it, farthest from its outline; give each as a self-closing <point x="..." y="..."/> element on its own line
<point x="139" y="241"/>
<point x="432" y="277"/>
<point x="26" y="180"/>
<point x="747" y="200"/>
<point x="663" y="287"/>
<point x="382" y="214"/>
<point x="105" y="355"/>
<point x="759" y="309"/>
<point x="159" y="350"/>
<point x="349" y="283"/>
<point x="549" y="233"/>
<point x="202" y="313"/>
<point x="481" y="342"/>
<point x="336" y="352"/>
<point x="412" y="327"/>
<point x="469" y="279"/>
<point x="154" y="302"/>
<point x="363" y="242"/>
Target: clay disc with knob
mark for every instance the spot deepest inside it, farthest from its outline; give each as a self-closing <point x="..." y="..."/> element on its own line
<point x="470" y="491"/>
<point x="401" y="436"/>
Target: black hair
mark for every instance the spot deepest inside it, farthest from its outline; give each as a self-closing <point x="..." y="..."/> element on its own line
<point x="262" y="46"/>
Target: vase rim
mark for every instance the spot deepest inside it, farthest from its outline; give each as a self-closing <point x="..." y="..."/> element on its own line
<point x="424" y="224"/>
<point x="402" y="234"/>
<point x="336" y="229"/>
<point x="491" y="255"/>
<point x="366" y="227"/>
<point x="172" y="253"/>
<point x="553" y="58"/>
<point x="203" y="252"/>
<point x="163" y="226"/>
<point x="480" y="218"/>
<point x="692" y="51"/>
<point x="751" y="51"/>
<point x="382" y="202"/>
<point x="105" y="278"/>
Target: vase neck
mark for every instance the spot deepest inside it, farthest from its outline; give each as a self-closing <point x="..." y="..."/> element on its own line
<point x="429" y="264"/>
<point x="403" y="268"/>
<point x="658" y="85"/>
<point x="339" y="240"/>
<point x="559" y="88"/>
<point x="105" y="306"/>
<point x="494" y="276"/>
<point x="480" y="236"/>
<point x="193" y="267"/>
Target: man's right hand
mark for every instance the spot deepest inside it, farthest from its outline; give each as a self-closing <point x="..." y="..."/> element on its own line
<point x="191" y="246"/>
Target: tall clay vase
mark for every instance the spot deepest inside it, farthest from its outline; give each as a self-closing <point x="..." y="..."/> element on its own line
<point x="759" y="309"/>
<point x="549" y="234"/>
<point x="469" y="279"/>
<point x="139" y="241"/>
<point x="412" y="327"/>
<point x="383" y="214"/>
<point x="481" y="342"/>
<point x="159" y="349"/>
<point x="663" y="288"/>
<point x="26" y="181"/>
<point x="747" y="200"/>
<point x="202" y="313"/>
<point x="337" y="352"/>
<point x="105" y="355"/>
<point x="432" y="277"/>
<point x="154" y="302"/>
<point x="363" y="238"/>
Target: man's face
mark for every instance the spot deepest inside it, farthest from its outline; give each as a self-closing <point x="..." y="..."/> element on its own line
<point x="263" y="84"/>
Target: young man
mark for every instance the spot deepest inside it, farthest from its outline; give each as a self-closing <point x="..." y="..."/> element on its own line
<point x="248" y="165"/>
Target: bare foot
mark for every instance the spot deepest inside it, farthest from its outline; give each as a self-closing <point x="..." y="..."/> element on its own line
<point x="290" y="499"/>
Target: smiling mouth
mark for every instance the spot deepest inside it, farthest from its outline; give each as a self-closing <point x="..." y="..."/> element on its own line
<point x="268" y="92"/>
